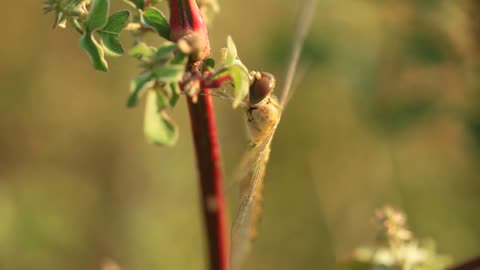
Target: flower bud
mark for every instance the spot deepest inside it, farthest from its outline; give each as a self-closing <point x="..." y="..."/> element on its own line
<point x="186" y="22"/>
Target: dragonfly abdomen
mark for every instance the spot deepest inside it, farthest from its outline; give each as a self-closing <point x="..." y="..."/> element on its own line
<point x="257" y="200"/>
<point x="257" y="211"/>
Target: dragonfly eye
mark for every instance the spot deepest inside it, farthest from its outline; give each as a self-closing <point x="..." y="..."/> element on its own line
<point x="261" y="87"/>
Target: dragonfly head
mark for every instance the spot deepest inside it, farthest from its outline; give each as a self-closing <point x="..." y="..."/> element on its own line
<point x="262" y="87"/>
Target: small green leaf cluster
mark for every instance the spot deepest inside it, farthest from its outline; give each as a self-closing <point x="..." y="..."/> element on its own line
<point x="100" y="32"/>
<point x="233" y="67"/>
<point x="66" y="10"/>
<point x="164" y="72"/>
<point x="163" y="77"/>
<point x="90" y="18"/>
<point x="164" y="69"/>
<point x="108" y="28"/>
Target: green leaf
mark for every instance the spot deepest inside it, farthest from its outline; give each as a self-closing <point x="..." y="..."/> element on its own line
<point x="232" y="51"/>
<point x="158" y="127"/>
<point x="116" y="22"/>
<point x="179" y="59"/>
<point x="210" y="63"/>
<point x="175" y="94"/>
<point x="111" y="44"/>
<point x="142" y="51"/>
<point x="223" y="55"/>
<point x="168" y="74"/>
<point x="138" y="4"/>
<point x="60" y="20"/>
<point x="98" y="15"/>
<point x="166" y="50"/>
<point x="109" y="34"/>
<point x="76" y="25"/>
<point x="236" y="70"/>
<point x="154" y="19"/>
<point x="162" y="100"/>
<point x="241" y="81"/>
<point x="94" y="51"/>
<point x="136" y="87"/>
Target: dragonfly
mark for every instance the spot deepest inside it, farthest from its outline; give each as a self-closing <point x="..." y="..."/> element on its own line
<point x="263" y="113"/>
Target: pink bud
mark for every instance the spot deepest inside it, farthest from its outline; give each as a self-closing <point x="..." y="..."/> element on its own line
<point x="186" y="21"/>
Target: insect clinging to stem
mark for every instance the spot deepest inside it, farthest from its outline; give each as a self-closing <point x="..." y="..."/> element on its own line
<point x="263" y="113"/>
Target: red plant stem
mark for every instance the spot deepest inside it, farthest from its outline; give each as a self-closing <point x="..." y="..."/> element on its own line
<point x="468" y="265"/>
<point x="208" y="163"/>
<point x="186" y="19"/>
<point x="216" y="83"/>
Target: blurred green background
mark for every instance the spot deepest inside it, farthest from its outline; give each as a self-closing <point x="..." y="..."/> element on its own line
<point x="386" y="112"/>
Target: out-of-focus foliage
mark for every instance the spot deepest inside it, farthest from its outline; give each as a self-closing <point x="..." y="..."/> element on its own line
<point x="386" y="110"/>
<point x="396" y="248"/>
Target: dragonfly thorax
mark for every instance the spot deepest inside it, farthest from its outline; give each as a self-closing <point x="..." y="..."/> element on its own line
<point x="262" y="118"/>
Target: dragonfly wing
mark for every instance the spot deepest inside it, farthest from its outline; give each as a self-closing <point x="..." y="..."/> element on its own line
<point x="252" y="169"/>
<point x="251" y="186"/>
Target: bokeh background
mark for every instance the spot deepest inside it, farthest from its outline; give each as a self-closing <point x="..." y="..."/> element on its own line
<point x="386" y="112"/>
